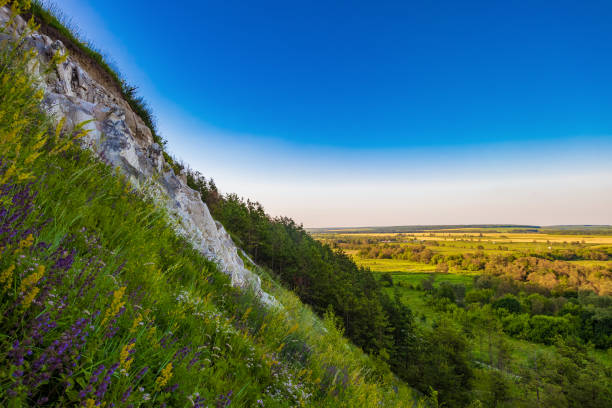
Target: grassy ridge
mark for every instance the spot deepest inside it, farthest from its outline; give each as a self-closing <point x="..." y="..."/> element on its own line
<point x="102" y="303"/>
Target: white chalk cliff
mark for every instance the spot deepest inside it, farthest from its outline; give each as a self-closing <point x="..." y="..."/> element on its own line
<point x="120" y="138"/>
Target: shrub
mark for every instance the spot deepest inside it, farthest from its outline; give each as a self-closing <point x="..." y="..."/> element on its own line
<point x="546" y="329"/>
<point x="509" y="303"/>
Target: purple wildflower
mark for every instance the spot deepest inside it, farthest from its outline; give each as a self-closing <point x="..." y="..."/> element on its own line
<point x="224" y="400"/>
<point x="101" y="391"/>
<point x="141" y="373"/>
<point x="172" y="388"/>
<point x="126" y="394"/>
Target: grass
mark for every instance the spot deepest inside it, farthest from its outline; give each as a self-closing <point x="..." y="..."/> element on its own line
<point x="393" y="265"/>
<point x="461" y="243"/>
<point x="102" y="303"/>
<point x="409" y="272"/>
<point x="519" y="237"/>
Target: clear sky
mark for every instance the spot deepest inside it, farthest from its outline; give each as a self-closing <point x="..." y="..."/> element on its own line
<point x="354" y="113"/>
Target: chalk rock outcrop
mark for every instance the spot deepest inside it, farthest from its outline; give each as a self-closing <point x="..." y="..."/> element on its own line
<point x="120" y="138"/>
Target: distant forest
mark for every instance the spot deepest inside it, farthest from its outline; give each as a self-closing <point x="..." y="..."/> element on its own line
<point x="474" y="228"/>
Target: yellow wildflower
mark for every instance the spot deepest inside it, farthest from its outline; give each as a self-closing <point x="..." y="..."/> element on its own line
<point x="164" y="377"/>
<point x="136" y="323"/>
<point x="27" y="242"/>
<point x="39" y="94"/>
<point x="151" y="335"/>
<point x="24" y="176"/>
<point x="124" y="357"/>
<point x="32" y="157"/>
<point x="8" y="174"/>
<point x="5" y="277"/>
<point x="29" y="297"/>
<point x="90" y="403"/>
<point x="27" y="286"/>
<point x="116" y="304"/>
<point x="32" y="279"/>
<point x="293" y="328"/>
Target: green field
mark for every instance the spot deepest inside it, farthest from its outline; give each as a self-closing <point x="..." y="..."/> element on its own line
<point x="393" y="265"/>
<point x="454" y="257"/>
<point x="404" y="278"/>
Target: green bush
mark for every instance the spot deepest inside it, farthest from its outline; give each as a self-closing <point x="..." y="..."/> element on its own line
<point x="509" y="303"/>
<point x="482" y="296"/>
<point x="546" y="329"/>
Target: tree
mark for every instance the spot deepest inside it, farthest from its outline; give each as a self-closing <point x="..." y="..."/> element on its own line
<point x="386" y="279"/>
<point x="428" y="283"/>
<point x="442" y="267"/>
<point x="508" y="302"/>
<point x="498" y="389"/>
<point x="445" y="290"/>
<point x="438" y="358"/>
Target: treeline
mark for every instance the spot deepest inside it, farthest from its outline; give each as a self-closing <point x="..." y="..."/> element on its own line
<point x="543" y="269"/>
<point x="578" y="230"/>
<point x="329" y="281"/>
<point x="322" y="277"/>
<point x="368" y="249"/>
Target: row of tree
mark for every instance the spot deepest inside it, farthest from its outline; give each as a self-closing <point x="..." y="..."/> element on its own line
<point x="541" y="269"/>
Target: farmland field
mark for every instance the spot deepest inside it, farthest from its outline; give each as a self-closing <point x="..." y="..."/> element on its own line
<point x="458" y="254"/>
<point x="517" y="297"/>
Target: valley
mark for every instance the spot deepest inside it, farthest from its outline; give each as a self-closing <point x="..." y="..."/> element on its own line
<point x="518" y="333"/>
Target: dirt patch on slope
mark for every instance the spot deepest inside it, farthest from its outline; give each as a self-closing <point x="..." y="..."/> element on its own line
<point x="97" y="73"/>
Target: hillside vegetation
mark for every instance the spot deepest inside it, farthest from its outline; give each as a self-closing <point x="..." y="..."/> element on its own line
<point x="102" y="304"/>
<point x="330" y="281"/>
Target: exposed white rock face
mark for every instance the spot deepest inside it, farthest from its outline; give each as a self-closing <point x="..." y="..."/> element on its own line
<point x="120" y="138"/>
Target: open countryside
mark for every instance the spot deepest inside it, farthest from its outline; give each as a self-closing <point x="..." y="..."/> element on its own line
<point x="517" y="297"/>
<point x="168" y="200"/>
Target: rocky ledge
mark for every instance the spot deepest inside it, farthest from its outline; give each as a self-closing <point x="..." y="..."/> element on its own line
<point x="121" y="139"/>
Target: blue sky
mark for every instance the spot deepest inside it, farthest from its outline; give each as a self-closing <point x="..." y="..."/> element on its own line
<point x="379" y="113"/>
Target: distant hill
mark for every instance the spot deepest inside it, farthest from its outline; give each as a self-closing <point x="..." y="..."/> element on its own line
<point x="469" y="228"/>
<point x="421" y="228"/>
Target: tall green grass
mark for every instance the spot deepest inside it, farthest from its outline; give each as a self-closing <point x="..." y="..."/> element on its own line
<point x="103" y="304"/>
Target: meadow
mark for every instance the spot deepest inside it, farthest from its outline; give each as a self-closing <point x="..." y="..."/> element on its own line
<point x="512" y="327"/>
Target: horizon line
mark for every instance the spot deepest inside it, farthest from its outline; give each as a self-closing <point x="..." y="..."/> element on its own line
<point x="501" y="225"/>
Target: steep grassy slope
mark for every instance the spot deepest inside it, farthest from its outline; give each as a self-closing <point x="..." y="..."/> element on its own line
<point x="102" y="304"/>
